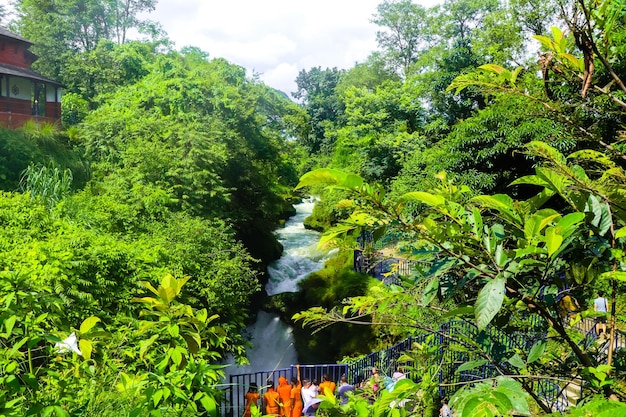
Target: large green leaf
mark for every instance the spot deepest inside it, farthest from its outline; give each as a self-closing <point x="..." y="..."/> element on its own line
<point x="471" y="365"/>
<point x="595" y="156"/>
<point x="515" y="394"/>
<point x="546" y="151"/>
<point x="536" y="351"/>
<point x="618" y="275"/>
<point x="556" y="181"/>
<point x="531" y="180"/>
<point x="489" y="302"/>
<point x="538" y="221"/>
<point x="476" y="220"/>
<point x="568" y="224"/>
<point x="209" y="404"/>
<point x="517" y="361"/>
<point x="461" y="311"/>
<point x="553" y="241"/>
<point x="430" y="292"/>
<point x="335" y="233"/>
<point x="423" y="197"/>
<point x="503" y="204"/>
<point x="88" y="324"/>
<point x="86" y="348"/>
<point x="601" y="214"/>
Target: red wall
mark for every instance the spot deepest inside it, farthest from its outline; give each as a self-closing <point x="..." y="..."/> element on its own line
<point x="13" y="53"/>
<point x="53" y="110"/>
<point x="21" y="111"/>
<point x="13" y="121"/>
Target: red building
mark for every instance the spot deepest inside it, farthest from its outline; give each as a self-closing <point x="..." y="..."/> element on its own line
<point x="24" y="94"/>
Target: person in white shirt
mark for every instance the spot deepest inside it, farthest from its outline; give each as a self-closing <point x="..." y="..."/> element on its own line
<point x="601" y="305"/>
<point x="309" y="400"/>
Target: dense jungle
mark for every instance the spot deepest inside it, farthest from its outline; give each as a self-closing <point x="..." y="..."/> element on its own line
<point x="483" y="143"/>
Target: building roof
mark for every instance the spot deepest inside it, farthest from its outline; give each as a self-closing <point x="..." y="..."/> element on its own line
<point x="4" y="32"/>
<point x="21" y="72"/>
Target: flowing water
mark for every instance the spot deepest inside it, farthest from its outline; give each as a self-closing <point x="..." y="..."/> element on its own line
<point x="272" y="339"/>
<point x="300" y="256"/>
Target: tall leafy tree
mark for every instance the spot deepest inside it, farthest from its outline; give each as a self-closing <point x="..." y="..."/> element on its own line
<point x="382" y="126"/>
<point x="67" y="27"/>
<point x="213" y="140"/>
<point x="107" y="67"/>
<point x="316" y="89"/>
<point x="501" y="254"/>
<point x="405" y="32"/>
<point x="464" y="34"/>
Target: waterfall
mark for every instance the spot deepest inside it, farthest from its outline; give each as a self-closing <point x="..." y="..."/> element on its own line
<point x="271" y="338"/>
<point x="300" y="255"/>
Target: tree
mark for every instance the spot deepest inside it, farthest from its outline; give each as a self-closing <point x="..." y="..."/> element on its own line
<point x="381" y="127"/>
<point x="62" y="28"/>
<point x="503" y="255"/>
<point x="126" y="16"/>
<point x="463" y="35"/>
<point x="317" y="91"/>
<point x="213" y="140"/>
<point x="107" y="67"/>
<point x="369" y="74"/>
<point x="405" y="34"/>
<point x="499" y="264"/>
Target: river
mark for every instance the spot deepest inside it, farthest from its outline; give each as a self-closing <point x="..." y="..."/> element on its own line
<point x="271" y="338"/>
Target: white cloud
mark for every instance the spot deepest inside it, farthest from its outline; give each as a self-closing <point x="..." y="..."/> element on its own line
<point x="276" y="38"/>
<point x="284" y="74"/>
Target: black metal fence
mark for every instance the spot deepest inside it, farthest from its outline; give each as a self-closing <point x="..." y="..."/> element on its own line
<point x="383" y="268"/>
<point x="449" y="339"/>
<point x="238" y="384"/>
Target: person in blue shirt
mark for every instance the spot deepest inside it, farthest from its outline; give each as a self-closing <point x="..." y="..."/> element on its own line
<point x="344" y="387"/>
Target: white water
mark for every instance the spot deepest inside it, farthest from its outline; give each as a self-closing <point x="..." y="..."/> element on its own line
<point x="272" y="346"/>
<point x="271" y="338"/>
<point x="300" y="256"/>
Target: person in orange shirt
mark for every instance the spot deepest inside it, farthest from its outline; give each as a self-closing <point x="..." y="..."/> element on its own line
<point x="296" y="395"/>
<point x="327" y="383"/>
<point x="252" y="397"/>
<point x="271" y="399"/>
<point x="284" y="393"/>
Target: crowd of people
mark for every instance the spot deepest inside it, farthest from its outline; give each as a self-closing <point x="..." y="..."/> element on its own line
<point x="301" y="397"/>
<point x="295" y="399"/>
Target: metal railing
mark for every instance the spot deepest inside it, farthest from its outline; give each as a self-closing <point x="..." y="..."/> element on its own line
<point x="450" y="358"/>
<point x="238" y="384"/>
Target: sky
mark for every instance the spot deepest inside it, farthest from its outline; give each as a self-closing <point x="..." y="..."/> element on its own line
<point x="275" y="38"/>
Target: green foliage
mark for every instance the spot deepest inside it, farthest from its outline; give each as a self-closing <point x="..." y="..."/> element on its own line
<point x="495" y="250"/>
<point x="47" y="183"/>
<point x="328" y="288"/>
<point x="153" y="364"/>
<point x="316" y="89"/>
<point x="502" y="397"/>
<point x="64" y="28"/>
<point x="73" y="109"/>
<point x="404" y="33"/>
<point x="40" y="147"/>
<point x="199" y="132"/>
<point x="92" y="250"/>
<point x="101" y="71"/>
<point x="597" y="406"/>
